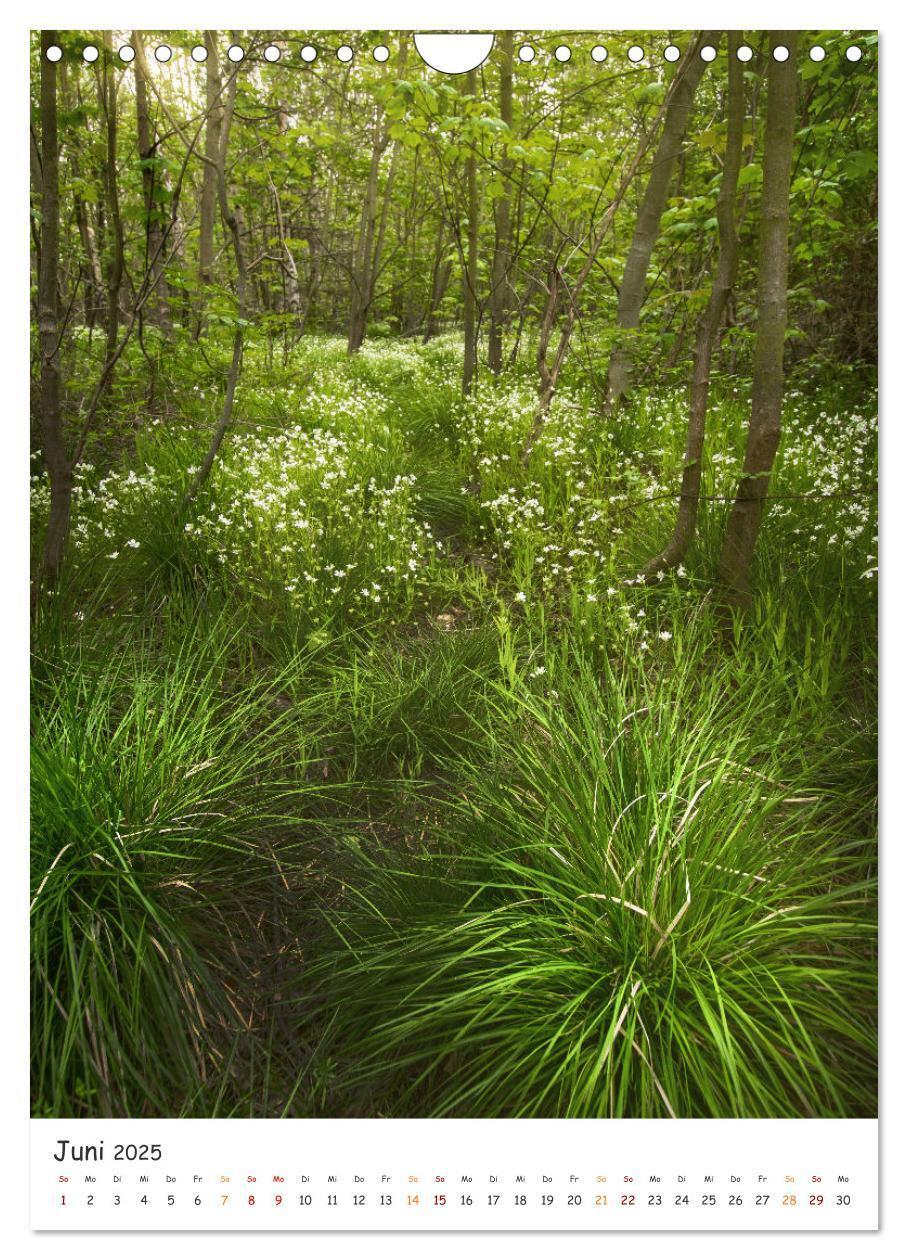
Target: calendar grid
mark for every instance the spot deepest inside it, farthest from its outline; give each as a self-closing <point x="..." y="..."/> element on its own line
<point x="431" y="1175"/>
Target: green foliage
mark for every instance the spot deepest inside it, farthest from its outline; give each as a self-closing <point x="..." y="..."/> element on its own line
<point x="643" y="903"/>
<point x="411" y="813"/>
<point x="159" y="773"/>
<point x="370" y="777"/>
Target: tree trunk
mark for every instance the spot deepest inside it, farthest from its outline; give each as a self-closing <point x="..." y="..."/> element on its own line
<point x="147" y="145"/>
<point x="472" y="259"/>
<point x="58" y="467"/>
<point x="208" y="201"/>
<point x="708" y="325"/>
<point x="233" y="222"/>
<point x="772" y="285"/>
<point x="360" y="289"/>
<point x="649" y="216"/>
<point x="372" y="226"/>
<point x="502" y="257"/>
<point x="550" y="372"/>
<point x="441" y="274"/>
<point x="108" y="90"/>
<point x="290" y="280"/>
<point x="94" y="280"/>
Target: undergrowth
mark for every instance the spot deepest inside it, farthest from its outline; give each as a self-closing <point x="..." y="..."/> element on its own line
<point x="374" y="782"/>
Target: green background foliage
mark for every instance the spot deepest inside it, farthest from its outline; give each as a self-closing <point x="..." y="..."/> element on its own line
<point x="371" y="778"/>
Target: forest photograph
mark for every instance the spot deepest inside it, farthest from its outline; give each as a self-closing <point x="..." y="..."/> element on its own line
<point x="453" y="575"/>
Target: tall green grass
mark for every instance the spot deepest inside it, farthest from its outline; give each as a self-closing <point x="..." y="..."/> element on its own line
<point x="162" y="781"/>
<point x="642" y="902"/>
<point x="372" y="783"/>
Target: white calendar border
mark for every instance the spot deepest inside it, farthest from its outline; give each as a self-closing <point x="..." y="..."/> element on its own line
<point x="348" y="14"/>
<point x="570" y="15"/>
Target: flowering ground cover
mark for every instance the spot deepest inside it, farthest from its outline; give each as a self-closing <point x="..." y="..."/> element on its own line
<point x="376" y="779"/>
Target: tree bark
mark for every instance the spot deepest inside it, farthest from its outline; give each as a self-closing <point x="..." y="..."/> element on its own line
<point x="502" y="257"/>
<point x="95" y="304"/>
<point x="472" y="258"/>
<point x="708" y="324"/>
<point x="208" y="201"/>
<point x="360" y="295"/>
<point x="550" y="372"/>
<point x="652" y="207"/>
<point x="147" y="145"/>
<point x="108" y="91"/>
<point x="58" y="467"/>
<point x="772" y="285"/>
<point x="290" y="280"/>
<point x="372" y="226"/>
<point x="234" y="223"/>
<point x="441" y="274"/>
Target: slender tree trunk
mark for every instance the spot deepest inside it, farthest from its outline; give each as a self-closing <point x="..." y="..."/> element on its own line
<point x="313" y="277"/>
<point x="550" y="372"/>
<point x="234" y="223"/>
<point x="472" y="259"/>
<point x="708" y="325"/>
<point x="293" y="300"/>
<point x="441" y="274"/>
<point x="142" y="293"/>
<point x="108" y="90"/>
<point x="772" y="286"/>
<point x="382" y="224"/>
<point x="372" y="226"/>
<point x="58" y="467"/>
<point x="360" y="295"/>
<point x="523" y="303"/>
<point x="36" y="189"/>
<point x="94" y="280"/>
<point x="94" y="284"/>
<point x="411" y="237"/>
<point x="501" y="261"/>
<point x="147" y="145"/>
<point x="208" y="201"/>
<point x="290" y="280"/>
<point x="652" y="207"/>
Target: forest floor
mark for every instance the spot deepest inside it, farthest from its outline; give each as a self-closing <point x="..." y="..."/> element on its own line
<point x="375" y="782"/>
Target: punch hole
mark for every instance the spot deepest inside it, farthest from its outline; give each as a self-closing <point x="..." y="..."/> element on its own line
<point x="672" y="52"/>
<point x="308" y="53"/>
<point x="381" y="52"/>
<point x="526" y="52"/>
<point x="853" y="53"/>
<point x="272" y="53"/>
<point x="599" y="53"/>
<point x="562" y="53"/>
<point x="90" y="53"/>
<point x="127" y="53"/>
<point x="780" y="52"/>
<point x="199" y="53"/>
<point x="345" y="53"/>
<point x="635" y="53"/>
<point x="163" y="53"/>
<point x="54" y="52"/>
<point x="708" y="53"/>
<point x="745" y="52"/>
<point x="235" y="53"/>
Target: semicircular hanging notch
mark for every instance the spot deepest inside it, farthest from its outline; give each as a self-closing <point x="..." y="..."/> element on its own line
<point x="453" y="52"/>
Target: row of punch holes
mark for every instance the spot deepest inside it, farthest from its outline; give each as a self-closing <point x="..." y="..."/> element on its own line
<point x="380" y="53"/>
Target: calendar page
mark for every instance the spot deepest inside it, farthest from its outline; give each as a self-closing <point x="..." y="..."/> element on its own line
<point x="453" y="613"/>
